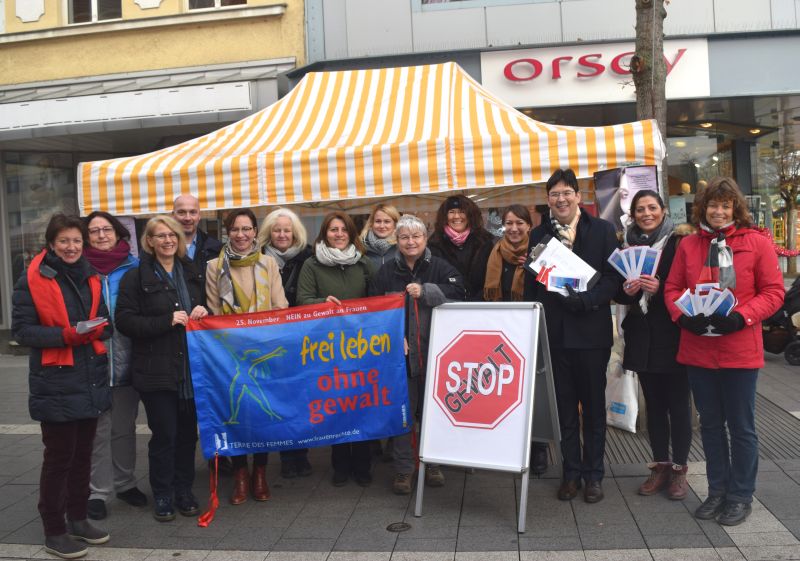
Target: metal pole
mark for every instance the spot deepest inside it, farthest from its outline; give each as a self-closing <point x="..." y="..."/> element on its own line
<point x="523" y="502"/>
<point x="420" y="489"/>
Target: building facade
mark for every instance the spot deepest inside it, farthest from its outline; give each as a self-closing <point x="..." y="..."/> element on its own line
<point x="734" y="96"/>
<point x="84" y="80"/>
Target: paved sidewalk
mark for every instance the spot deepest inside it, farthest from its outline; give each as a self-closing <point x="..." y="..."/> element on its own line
<point x="472" y="518"/>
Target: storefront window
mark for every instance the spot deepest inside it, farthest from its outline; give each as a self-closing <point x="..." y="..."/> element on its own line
<point x="772" y="156"/>
<point x="37" y="185"/>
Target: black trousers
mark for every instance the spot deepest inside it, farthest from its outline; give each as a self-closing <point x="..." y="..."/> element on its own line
<point x="580" y="378"/>
<point x="171" y="450"/>
<point x="353" y="457"/>
<point x="64" y="480"/>
<point x="259" y="459"/>
<point x="669" y="414"/>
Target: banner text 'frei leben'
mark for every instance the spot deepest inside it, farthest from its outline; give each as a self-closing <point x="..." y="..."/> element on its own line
<point x="302" y="377"/>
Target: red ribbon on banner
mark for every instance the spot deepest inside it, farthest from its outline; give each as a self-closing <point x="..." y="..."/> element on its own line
<point x="213" y="500"/>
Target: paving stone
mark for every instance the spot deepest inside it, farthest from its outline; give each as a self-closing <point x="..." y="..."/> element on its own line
<point x="730" y="554"/>
<point x="233" y="555"/>
<point x="715" y="533"/>
<point x="438" y="545"/>
<point x="612" y="540"/>
<point x="360" y="540"/>
<point x="669" y="524"/>
<point x="771" y="552"/>
<point x="360" y="556"/>
<point x="317" y="527"/>
<point x="487" y="556"/>
<point x="424" y="555"/>
<point x="618" y="555"/>
<point x="763" y="538"/>
<point x="307" y="544"/>
<point x="549" y="543"/>
<point x="670" y="541"/>
<point x="15" y="550"/>
<point x="552" y="556"/>
<point x="483" y="539"/>
<point x="101" y="553"/>
<point x="685" y="554"/>
<point x="297" y="556"/>
<point x="170" y="555"/>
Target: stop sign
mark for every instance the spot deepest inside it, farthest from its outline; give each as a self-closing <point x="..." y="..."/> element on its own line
<point x="479" y="379"/>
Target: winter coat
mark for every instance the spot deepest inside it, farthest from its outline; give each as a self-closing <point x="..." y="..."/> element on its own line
<point x="470" y="258"/>
<point x="651" y="339"/>
<point x="119" y="346"/>
<point x="379" y="260"/>
<point x="145" y="305"/>
<point x="590" y="328"/>
<point x="759" y="292"/>
<point x="290" y="274"/>
<point x="61" y="393"/>
<point x="440" y="282"/>
<point x="318" y="281"/>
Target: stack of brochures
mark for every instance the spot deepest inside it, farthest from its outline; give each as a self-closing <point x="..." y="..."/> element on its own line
<point x="633" y="262"/>
<point x="557" y="268"/>
<point x="707" y="299"/>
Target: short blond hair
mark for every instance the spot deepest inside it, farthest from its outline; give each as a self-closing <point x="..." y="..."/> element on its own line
<point x="299" y="234"/>
<point x="170" y="223"/>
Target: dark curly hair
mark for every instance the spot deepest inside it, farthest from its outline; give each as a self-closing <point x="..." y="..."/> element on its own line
<point x="471" y="210"/>
<point x="721" y="189"/>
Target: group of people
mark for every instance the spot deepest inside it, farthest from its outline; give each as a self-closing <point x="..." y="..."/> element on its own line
<point x="87" y="377"/>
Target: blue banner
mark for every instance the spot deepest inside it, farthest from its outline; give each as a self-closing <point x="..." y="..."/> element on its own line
<point x="301" y="377"/>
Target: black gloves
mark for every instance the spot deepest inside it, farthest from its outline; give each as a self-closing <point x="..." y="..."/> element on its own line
<point x="696" y="324"/>
<point x="727" y="324"/>
<point x="573" y="302"/>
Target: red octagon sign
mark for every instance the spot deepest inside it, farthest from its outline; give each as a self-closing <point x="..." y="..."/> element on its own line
<point x="479" y="378"/>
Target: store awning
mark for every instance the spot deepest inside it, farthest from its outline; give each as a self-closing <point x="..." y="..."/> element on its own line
<point x="359" y="134"/>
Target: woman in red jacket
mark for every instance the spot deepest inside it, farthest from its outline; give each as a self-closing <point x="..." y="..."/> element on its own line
<point x="723" y="367"/>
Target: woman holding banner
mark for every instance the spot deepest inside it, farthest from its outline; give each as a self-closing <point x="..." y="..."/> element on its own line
<point x="460" y="239"/>
<point x="651" y="343"/>
<point x="114" y="452"/>
<point x="243" y="280"/>
<point x="505" y="281"/>
<point x="154" y="305"/>
<point x="68" y="378"/>
<point x="428" y="281"/>
<point x="338" y="271"/>
<point x="378" y="235"/>
<point x="283" y="237"/>
<point x="723" y="352"/>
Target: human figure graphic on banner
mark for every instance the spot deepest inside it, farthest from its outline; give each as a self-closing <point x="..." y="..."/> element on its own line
<point x="249" y="384"/>
<point x="544" y="274"/>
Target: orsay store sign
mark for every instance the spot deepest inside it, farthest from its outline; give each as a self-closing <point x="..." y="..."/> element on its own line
<point x="584" y="74"/>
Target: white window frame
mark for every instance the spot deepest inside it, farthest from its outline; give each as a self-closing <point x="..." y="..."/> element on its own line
<point x="217" y="6"/>
<point x="65" y="4"/>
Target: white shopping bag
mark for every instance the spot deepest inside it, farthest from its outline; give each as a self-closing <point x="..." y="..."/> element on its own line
<point x="622" y="403"/>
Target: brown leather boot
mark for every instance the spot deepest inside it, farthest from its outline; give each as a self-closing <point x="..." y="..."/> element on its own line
<point x="241" y="486"/>
<point x="659" y="479"/>
<point x="260" y="487"/>
<point x="678" y="486"/>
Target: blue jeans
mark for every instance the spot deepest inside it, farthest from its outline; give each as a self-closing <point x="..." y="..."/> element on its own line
<point x="728" y="396"/>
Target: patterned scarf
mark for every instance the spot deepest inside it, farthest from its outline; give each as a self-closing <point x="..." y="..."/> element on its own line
<point x="376" y="244"/>
<point x="281" y="257"/>
<point x="719" y="261"/>
<point x="504" y="250"/>
<point x="566" y="232"/>
<point x="234" y="298"/>
<point x="331" y="257"/>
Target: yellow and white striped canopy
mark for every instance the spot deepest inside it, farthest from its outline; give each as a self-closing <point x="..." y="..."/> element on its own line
<point x="363" y="133"/>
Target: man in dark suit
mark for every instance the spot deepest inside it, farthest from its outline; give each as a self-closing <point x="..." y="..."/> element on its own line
<point x="579" y="329"/>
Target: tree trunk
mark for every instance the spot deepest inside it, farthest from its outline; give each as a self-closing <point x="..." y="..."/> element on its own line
<point x="650" y="72"/>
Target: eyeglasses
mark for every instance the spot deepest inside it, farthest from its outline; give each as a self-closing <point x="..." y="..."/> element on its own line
<point x="167" y="236"/>
<point x="244" y="230"/>
<point x="406" y="237"/>
<point x="555" y="195"/>
<point x="96" y="231"/>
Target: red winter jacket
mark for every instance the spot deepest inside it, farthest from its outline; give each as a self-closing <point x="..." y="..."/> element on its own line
<point x="759" y="291"/>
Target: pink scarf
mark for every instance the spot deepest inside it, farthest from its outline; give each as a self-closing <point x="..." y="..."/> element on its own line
<point x="106" y="261"/>
<point x="455" y="237"/>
